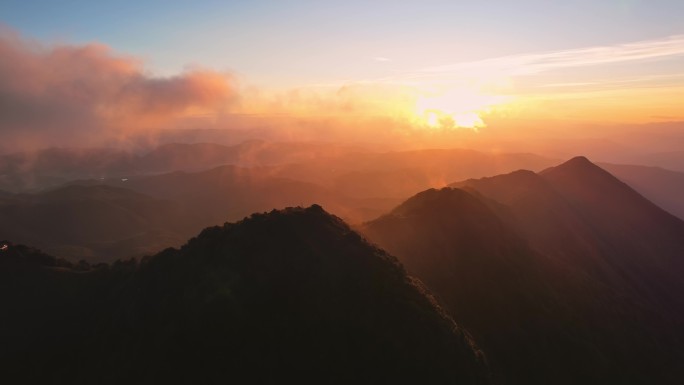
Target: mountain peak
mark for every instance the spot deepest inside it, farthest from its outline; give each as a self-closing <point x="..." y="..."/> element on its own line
<point x="611" y="204"/>
<point x="576" y="164"/>
<point x="472" y="223"/>
<point x="433" y="201"/>
<point x="510" y="188"/>
<point x="295" y="291"/>
<point x="580" y="172"/>
<point x="580" y="159"/>
<point x="519" y="177"/>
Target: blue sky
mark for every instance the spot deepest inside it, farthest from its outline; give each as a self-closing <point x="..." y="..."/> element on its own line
<point x="302" y="42"/>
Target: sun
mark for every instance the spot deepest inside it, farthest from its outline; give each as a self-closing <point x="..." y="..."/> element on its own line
<point x="456" y="107"/>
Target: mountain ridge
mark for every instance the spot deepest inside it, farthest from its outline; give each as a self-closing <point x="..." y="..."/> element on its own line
<point x="288" y="295"/>
<point x="549" y="272"/>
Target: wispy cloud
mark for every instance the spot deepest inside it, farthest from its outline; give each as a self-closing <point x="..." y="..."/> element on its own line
<point x="533" y="63"/>
<point x="665" y="80"/>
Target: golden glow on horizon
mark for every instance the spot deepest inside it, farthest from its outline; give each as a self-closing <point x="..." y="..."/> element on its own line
<point x="458" y="107"/>
<point x="614" y="106"/>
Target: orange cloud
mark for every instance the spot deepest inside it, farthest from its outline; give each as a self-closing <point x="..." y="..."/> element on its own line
<point x="69" y="95"/>
<point x="86" y="96"/>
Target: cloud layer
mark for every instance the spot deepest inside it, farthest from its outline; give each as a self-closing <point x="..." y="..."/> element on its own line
<point x="87" y="94"/>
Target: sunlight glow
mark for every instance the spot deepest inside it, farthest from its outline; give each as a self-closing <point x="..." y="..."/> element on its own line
<point x="459" y="107"/>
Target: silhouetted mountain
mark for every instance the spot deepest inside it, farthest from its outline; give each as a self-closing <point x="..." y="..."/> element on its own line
<point x="488" y="280"/>
<point x="540" y="214"/>
<point x="291" y="296"/>
<point x="518" y="264"/>
<point x="641" y="245"/>
<point x="662" y="187"/>
<point x="583" y="215"/>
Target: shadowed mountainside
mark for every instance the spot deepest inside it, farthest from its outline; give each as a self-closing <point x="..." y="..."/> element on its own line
<point x="581" y="214"/>
<point x="288" y="296"/>
<point x="542" y="283"/>
<point x="641" y="244"/>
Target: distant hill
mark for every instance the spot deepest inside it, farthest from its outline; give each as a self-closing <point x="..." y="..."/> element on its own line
<point x="354" y="171"/>
<point x="662" y="187"/>
<point x="92" y="222"/>
<point x="400" y="174"/>
<point x="292" y="296"/>
<point x="231" y="193"/>
<point x="251" y="153"/>
<point x="672" y="160"/>
<point x="564" y="277"/>
<point x="130" y="217"/>
<point x="51" y="167"/>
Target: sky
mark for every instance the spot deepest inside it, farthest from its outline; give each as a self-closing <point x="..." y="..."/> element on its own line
<point x="438" y="65"/>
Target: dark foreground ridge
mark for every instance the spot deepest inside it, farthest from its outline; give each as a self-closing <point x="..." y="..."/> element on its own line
<point x="292" y="296"/>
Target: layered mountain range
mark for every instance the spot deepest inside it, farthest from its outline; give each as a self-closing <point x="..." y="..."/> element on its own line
<point x="107" y="204"/>
<point x="570" y="264"/>
<point x="562" y="276"/>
